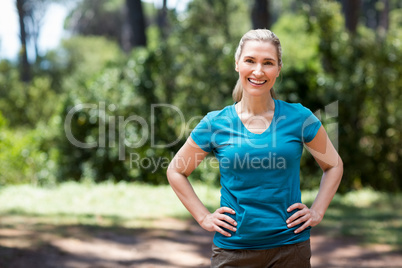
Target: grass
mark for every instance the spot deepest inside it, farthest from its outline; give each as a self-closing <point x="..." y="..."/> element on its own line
<point x="124" y="204"/>
<point x="371" y="216"/>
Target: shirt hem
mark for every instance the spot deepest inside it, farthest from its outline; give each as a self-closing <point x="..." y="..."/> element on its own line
<point x="299" y="240"/>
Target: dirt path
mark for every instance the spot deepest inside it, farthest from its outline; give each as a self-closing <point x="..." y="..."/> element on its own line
<point x="170" y="243"/>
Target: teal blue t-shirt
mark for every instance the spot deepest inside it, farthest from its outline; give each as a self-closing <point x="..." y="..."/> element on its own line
<point x="259" y="172"/>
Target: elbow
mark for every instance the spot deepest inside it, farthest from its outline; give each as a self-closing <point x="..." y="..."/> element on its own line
<point x="336" y="166"/>
<point x="337" y="163"/>
<point x="340" y="162"/>
<point x="169" y="174"/>
<point x="340" y="166"/>
<point x="337" y="170"/>
<point x="172" y="174"/>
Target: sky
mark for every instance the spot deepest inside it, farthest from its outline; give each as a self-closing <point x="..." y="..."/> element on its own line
<point x="51" y="33"/>
<point x="52" y="29"/>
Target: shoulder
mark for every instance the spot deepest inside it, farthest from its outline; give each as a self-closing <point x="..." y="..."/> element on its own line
<point x="212" y="121"/>
<point x="220" y="114"/>
<point x="294" y="109"/>
<point x="290" y="106"/>
<point x="302" y="119"/>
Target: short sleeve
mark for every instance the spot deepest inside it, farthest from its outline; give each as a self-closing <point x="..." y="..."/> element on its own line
<point x="310" y="125"/>
<point x="202" y="134"/>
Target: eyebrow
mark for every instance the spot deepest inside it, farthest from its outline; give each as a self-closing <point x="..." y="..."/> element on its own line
<point x="265" y="59"/>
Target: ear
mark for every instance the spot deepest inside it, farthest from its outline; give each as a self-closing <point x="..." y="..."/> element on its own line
<point x="237" y="67"/>
<point x="279" y="71"/>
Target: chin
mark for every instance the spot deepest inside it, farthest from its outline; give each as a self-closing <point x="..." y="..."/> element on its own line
<point x="256" y="92"/>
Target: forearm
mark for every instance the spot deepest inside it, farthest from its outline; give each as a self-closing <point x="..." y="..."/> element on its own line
<point x="329" y="185"/>
<point x="183" y="189"/>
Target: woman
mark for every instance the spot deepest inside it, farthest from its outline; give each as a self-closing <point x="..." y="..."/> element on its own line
<point x="258" y="141"/>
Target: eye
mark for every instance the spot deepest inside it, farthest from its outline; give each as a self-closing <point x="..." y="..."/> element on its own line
<point x="249" y="61"/>
<point x="268" y="63"/>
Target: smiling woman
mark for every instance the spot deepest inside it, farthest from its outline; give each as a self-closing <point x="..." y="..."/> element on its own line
<point x="274" y="56"/>
<point x="258" y="68"/>
<point x="262" y="221"/>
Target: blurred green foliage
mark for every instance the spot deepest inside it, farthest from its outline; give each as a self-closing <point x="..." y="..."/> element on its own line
<point x="168" y="72"/>
<point x="361" y="71"/>
<point x="24" y="156"/>
<point x="25" y="104"/>
<point x="353" y="81"/>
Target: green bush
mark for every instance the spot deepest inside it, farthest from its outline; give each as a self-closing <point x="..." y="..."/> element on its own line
<point x="112" y="102"/>
<point x="166" y="74"/>
<point x="22" y="159"/>
<point x="26" y="104"/>
<point x="361" y="72"/>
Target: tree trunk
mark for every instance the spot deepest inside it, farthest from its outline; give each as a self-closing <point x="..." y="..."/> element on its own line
<point x="137" y="23"/>
<point x="162" y="20"/>
<point x="35" y="13"/>
<point x="384" y="16"/>
<point x="351" y="10"/>
<point x="24" y="64"/>
<point x="260" y="14"/>
<point x="370" y="13"/>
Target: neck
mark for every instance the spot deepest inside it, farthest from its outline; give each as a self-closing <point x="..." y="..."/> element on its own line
<point x="256" y="105"/>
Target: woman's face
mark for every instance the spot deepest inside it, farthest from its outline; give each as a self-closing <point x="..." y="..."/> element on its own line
<point x="258" y="67"/>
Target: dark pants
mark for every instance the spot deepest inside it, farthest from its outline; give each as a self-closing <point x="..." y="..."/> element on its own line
<point x="292" y="256"/>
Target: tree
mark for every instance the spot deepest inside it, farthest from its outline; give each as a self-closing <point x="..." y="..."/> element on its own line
<point x="360" y="72"/>
<point x="97" y="17"/>
<point x="136" y="20"/>
<point x="162" y="20"/>
<point x="376" y="13"/>
<point x="124" y="23"/>
<point x="260" y="14"/>
<point x="351" y="10"/>
<point x="35" y="11"/>
<point x="30" y="14"/>
<point x="25" y="72"/>
<point x="384" y="15"/>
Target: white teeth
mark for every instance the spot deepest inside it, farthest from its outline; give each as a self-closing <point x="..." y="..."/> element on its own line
<point x="258" y="82"/>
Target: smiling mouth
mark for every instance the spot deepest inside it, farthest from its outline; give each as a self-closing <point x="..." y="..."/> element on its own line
<point x="257" y="82"/>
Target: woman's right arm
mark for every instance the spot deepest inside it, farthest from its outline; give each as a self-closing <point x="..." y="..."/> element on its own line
<point x="181" y="166"/>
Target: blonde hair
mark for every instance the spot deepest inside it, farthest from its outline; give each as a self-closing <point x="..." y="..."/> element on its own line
<point x="256" y="35"/>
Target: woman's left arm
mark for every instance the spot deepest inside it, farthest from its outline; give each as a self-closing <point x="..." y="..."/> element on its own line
<point x="327" y="157"/>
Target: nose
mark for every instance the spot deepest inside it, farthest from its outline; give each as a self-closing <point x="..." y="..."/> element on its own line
<point x="258" y="71"/>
